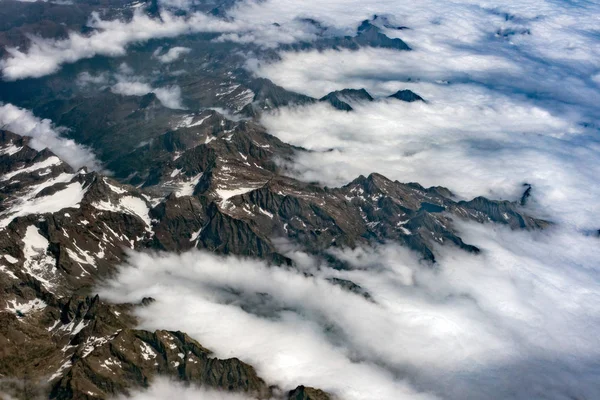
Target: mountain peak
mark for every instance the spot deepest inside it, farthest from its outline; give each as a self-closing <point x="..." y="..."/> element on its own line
<point x="406" y="95"/>
<point x="343" y="99"/>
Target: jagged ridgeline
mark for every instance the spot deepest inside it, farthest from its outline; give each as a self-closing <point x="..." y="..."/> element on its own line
<point x="212" y="179"/>
<point x="63" y="230"/>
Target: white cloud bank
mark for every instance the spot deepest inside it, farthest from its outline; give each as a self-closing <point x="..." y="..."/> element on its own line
<point x="519" y="321"/>
<point x="45" y="135"/>
<point x="467" y="138"/>
<point x="526" y="32"/>
<point x="512" y="94"/>
<point x="163" y="388"/>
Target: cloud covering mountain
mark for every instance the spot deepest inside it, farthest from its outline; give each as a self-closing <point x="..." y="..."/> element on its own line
<point x="45" y="135"/>
<point x="511" y="101"/>
<point x="511" y="98"/>
<point x="518" y="321"/>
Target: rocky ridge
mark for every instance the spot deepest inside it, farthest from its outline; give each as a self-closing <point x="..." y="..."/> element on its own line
<point x="215" y="185"/>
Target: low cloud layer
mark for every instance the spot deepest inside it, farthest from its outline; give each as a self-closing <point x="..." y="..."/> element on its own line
<point x="518" y="321"/>
<point x="513" y="94"/>
<point x="45" y="135"/>
<point x="529" y="33"/>
<point x="112" y="37"/>
<point x="469" y="139"/>
<point x="511" y="90"/>
<point x="164" y="388"/>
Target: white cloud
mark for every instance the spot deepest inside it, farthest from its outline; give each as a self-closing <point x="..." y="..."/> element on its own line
<point x="173" y="54"/>
<point x="111" y="38"/>
<point x="132" y="85"/>
<point x="558" y="30"/>
<point x="513" y="97"/>
<point x="132" y="88"/>
<point x="469" y="139"/>
<point x="85" y="79"/>
<point x="169" y="96"/>
<point x="524" y="32"/>
<point x="518" y="321"/>
<point x="163" y="388"/>
<point x="45" y="134"/>
<point x="512" y="94"/>
<point x="318" y="73"/>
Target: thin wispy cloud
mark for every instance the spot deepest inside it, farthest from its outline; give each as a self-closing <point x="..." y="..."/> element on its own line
<point x="132" y="85"/>
<point x="171" y="55"/>
<point x="45" y="135"/>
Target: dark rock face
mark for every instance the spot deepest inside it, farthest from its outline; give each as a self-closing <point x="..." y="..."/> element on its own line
<point x="307" y="393"/>
<point x="335" y="101"/>
<point x="342" y="99"/>
<point x="367" y="35"/>
<point x="406" y="95"/>
<point x="526" y="194"/>
<point x="267" y="95"/>
<point x="351" y="287"/>
<point x="130" y="358"/>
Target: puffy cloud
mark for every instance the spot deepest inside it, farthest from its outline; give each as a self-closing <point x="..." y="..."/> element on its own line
<point x="129" y="88"/>
<point x="518" y="321"/>
<point x="169" y="96"/>
<point x="163" y="388"/>
<point x="45" y="135"/>
<point x="173" y="54"/>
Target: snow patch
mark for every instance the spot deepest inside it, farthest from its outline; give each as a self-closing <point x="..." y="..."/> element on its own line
<point x="38" y="263"/>
<point x="10" y="150"/>
<point x="49" y="162"/>
<point x="130" y="205"/>
<point x="69" y="197"/>
<point x="226" y="194"/>
<point x="60" y="371"/>
<point x="195" y="235"/>
<point x="147" y="351"/>
<point x="114" y="188"/>
<point x="186" y="188"/>
<point x="91" y="343"/>
<point x="4" y="269"/>
<point x="10" y="259"/>
<point x="21" y="309"/>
